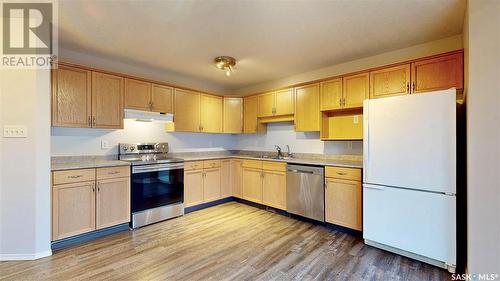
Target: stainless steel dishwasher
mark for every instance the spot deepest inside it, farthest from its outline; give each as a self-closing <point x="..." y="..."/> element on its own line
<point x="305" y="193"/>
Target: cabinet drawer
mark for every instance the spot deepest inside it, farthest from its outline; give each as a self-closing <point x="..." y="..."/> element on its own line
<point x="113" y="172"/>
<point x="343" y="173"/>
<point x="207" y="164"/>
<point x="274" y="166"/>
<point x="256" y="164"/>
<point x="193" y="165"/>
<point x="71" y="176"/>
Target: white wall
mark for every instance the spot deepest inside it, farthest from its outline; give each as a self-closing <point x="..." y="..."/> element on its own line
<point x="483" y="136"/>
<point x="25" y="165"/>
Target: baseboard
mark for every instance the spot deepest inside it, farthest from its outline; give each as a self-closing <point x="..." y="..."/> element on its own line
<point x="208" y="204"/>
<point x="25" y="257"/>
<point x="79" y="239"/>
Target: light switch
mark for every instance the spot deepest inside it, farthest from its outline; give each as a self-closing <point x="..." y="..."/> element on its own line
<point x="355" y="119"/>
<point x="104" y="144"/>
<point x="15" y="131"/>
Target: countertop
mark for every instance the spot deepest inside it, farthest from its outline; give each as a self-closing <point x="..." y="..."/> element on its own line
<point x="85" y="164"/>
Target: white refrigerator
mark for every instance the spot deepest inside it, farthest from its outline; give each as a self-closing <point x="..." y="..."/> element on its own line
<point x="409" y="176"/>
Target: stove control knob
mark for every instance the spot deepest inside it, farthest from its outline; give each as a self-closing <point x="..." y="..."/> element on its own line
<point x="132" y="148"/>
<point x="125" y="148"/>
<point x="157" y="147"/>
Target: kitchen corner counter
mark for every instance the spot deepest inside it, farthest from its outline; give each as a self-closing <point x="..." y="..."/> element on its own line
<point x="86" y="164"/>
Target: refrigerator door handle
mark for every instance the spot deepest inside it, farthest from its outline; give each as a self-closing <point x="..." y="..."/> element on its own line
<point x="366" y="137"/>
<point x="373" y="186"/>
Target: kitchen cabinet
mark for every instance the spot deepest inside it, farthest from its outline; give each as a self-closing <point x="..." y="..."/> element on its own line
<point x="391" y="81"/>
<point x="202" y="182"/>
<point x="307" y="114"/>
<point x="274" y="186"/>
<point x="437" y="73"/>
<point x="137" y="94"/>
<point x="210" y="113"/>
<point x="107" y="101"/>
<point x="251" y="123"/>
<point x="193" y="187"/>
<point x="276" y="103"/>
<point x="266" y="105"/>
<point x="355" y="90"/>
<point x="187" y="111"/>
<point x="211" y="184"/>
<point x="233" y="115"/>
<point x="252" y="184"/>
<point x="236" y="177"/>
<point x="343" y="197"/>
<point x="71" y="97"/>
<point x="84" y="200"/>
<point x="162" y="99"/>
<point x="225" y="178"/>
<point x="331" y="94"/>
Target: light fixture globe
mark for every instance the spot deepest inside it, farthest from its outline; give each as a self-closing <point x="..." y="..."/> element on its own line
<point x="225" y="63"/>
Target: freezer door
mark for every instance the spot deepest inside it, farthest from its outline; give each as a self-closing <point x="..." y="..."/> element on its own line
<point x="418" y="222"/>
<point x="410" y="141"/>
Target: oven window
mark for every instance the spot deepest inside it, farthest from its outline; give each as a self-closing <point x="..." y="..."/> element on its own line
<point x="156" y="189"/>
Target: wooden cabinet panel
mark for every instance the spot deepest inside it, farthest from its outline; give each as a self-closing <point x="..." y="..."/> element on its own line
<point x="236" y="177"/>
<point x="331" y="94"/>
<point x="73" y="209"/>
<point x="225" y="179"/>
<point x="307" y="114"/>
<point x="113" y="172"/>
<point x="343" y="173"/>
<point x="193" y="165"/>
<point x="211" y="113"/>
<point x="274" y="189"/>
<point x="162" y="99"/>
<point x="274" y="166"/>
<point x="250" y="112"/>
<point x="266" y="106"/>
<point x="207" y="164"/>
<point x="193" y="187"/>
<point x="343" y="203"/>
<point x="438" y="73"/>
<point x="137" y="94"/>
<point x="211" y="184"/>
<point x="252" y="184"/>
<point x="71" y="97"/>
<point x="71" y="176"/>
<point x="187" y="111"/>
<point x="356" y="90"/>
<point x="113" y="202"/>
<point x="392" y="81"/>
<point x="107" y="101"/>
<point x="256" y="164"/>
<point x="233" y="115"/>
<point x="285" y="102"/>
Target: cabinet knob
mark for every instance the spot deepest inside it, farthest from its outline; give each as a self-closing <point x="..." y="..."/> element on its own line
<point x="413" y="87"/>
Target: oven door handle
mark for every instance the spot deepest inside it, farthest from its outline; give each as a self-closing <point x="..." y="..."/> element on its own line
<point x="157" y="168"/>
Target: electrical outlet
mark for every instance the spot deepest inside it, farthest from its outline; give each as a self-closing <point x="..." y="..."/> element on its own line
<point x="355" y="119"/>
<point x="15" y="131"/>
<point x="104" y="144"/>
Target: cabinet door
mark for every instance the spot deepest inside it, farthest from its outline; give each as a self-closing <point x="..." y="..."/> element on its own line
<point x="236" y="174"/>
<point x="266" y="105"/>
<point x="331" y="94"/>
<point x="252" y="184"/>
<point x="187" y="111"/>
<point x="250" y="111"/>
<point x="343" y="203"/>
<point x="211" y="114"/>
<point x="162" y="99"/>
<point x="137" y="94"/>
<point x="71" y="97"/>
<point x="113" y="202"/>
<point x="73" y="209"/>
<point x="392" y="81"/>
<point x="274" y="189"/>
<point x="355" y="90"/>
<point x="225" y="179"/>
<point x="193" y="188"/>
<point x="285" y="102"/>
<point x="438" y="73"/>
<point x="107" y="101"/>
<point x="233" y="115"/>
<point x="211" y="184"/>
<point x="307" y="114"/>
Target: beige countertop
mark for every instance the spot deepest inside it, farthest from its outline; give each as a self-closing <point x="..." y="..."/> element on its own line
<point x="86" y="164"/>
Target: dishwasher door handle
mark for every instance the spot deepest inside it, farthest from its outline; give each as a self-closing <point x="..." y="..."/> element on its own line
<point x="301" y="171"/>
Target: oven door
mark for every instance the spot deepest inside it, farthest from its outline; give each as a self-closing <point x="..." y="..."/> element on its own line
<point x="157" y="185"/>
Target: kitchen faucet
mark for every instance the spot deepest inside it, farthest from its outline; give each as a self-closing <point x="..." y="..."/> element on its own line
<point x="288" y="152"/>
<point x="278" y="148"/>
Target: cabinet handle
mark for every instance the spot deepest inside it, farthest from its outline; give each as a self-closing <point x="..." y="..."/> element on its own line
<point x="413" y="87"/>
<point x="75" y="177"/>
<point x="150" y="105"/>
<point x="93" y="121"/>
<point x="113" y="173"/>
<point x="90" y="121"/>
<point x="93" y="188"/>
<point x="98" y="187"/>
<point x="340" y="102"/>
<point x="341" y="173"/>
<point x="408" y="87"/>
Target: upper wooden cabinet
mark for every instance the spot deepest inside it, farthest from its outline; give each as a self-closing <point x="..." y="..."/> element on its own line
<point x="107" y="101"/>
<point x="187" y="111"/>
<point x="438" y="73"/>
<point x="356" y="90"/>
<point x="276" y="103"/>
<point x="233" y="115"/>
<point x="307" y="114"/>
<point x="251" y="123"/>
<point x="392" y="81"/>
<point x="162" y="99"/>
<point x="211" y="113"/>
<point x="71" y="97"/>
<point x="331" y="94"/>
<point x="137" y="94"/>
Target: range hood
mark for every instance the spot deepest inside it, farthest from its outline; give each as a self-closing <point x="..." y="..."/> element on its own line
<point x="148" y="116"/>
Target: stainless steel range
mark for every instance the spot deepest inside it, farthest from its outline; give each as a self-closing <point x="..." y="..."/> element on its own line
<point x="157" y="185"/>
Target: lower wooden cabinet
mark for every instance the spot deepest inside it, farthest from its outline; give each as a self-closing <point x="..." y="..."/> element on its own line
<point x="236" y="177"/>
<point x="264" y="182"/>
<point x="202" y="182"/>
<point x="252" y="184"/>
<point x="88" y="199"/>
<point x="193" y="187"/>
<point x="211" y="184"/>
<point x="343" y="197"/>
<point x="226" y="180"/>
<point x="274" y="189"/>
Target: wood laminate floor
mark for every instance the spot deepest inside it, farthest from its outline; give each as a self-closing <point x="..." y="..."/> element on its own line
<point x="232" y="241"/>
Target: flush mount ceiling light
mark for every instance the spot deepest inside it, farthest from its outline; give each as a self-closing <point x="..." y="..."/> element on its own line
<point x="225" y="63"/>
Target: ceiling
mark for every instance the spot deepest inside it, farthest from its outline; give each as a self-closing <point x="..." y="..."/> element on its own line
<point x="269" y="39"/>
